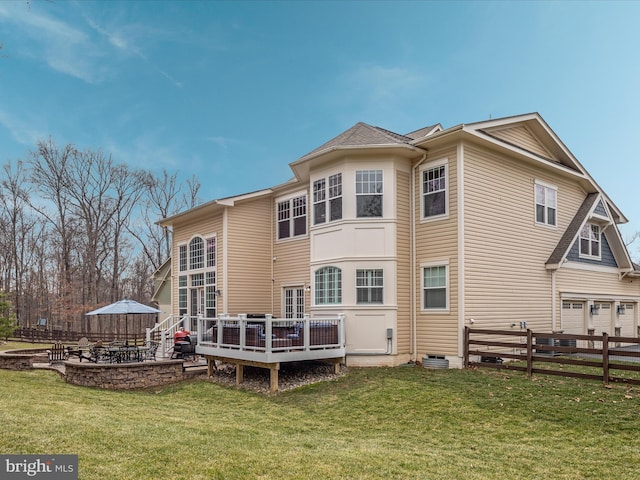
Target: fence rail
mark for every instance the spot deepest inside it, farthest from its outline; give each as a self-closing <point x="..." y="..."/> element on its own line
<point x="604" y="352"/>
<point x="34" y="335"/>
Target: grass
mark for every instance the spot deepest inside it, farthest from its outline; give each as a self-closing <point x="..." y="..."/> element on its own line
<point x="404" y="422"/>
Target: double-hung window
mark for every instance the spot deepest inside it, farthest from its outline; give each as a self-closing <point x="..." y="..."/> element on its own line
<point x="369" y="193"/>
<point x="435" y="287"/>
<point x="319" y="201"/>
<point x="434" y="191"/>
<point x="328" y="289"/>
<point x="327" y="207"/>
<point x="546" y="204"/>
<point x="369" y="286"/>
<point x="292" y="217"/>
<point x="590" y="241"/>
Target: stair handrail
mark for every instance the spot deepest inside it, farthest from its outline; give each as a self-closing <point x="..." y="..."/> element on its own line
<point x="167" y="328"/>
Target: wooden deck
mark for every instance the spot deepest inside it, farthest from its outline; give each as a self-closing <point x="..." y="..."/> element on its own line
<point x="267" y="342"/>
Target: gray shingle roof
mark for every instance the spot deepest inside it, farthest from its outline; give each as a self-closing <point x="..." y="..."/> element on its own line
<point x="361" y="135"/>
<point x="422" y="132"/>
<point x="572" y="230"/>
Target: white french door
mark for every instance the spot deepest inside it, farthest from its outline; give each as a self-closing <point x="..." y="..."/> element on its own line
<point x="294" y="302"/>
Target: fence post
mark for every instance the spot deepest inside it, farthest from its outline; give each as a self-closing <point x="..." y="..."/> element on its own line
<point x="529" y="352"/>
<point x="605" y="358"/>
<point x="465" y="348"/>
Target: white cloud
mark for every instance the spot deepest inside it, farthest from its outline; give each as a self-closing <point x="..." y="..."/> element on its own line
<point x="223" y="142"/>
<point x="64" y="47"/>
<point x="124" y="39"/>
<point x="22" y="130"/>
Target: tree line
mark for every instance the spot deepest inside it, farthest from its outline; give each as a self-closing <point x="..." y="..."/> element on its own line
<point x="77" y="230"/>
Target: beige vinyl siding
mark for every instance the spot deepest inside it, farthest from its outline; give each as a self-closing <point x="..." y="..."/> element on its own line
<point x="206" y="226"/>
<point x="249" y="257"/>
<point x="403" y="277"/>
<point x="505" y="251"/>
<point x="595" y="283"/>
<point x="291" y="267"/>
<point x="522" y="137"/>
<point x="437" y="333"/>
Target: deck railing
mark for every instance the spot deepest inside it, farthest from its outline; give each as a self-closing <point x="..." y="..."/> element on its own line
<point x="269" y="339"/>
<point x="164" y="331"/>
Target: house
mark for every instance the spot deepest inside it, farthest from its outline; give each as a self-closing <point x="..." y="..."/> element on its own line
<point x="413" y="237"/>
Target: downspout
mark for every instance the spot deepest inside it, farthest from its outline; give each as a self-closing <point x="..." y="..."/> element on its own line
<point x="225" y="261"/>
<point x="554" y="319"/>
<point x="273" y="259"/>
<point x="461" y="249"/>
<point x="412" y="224"/>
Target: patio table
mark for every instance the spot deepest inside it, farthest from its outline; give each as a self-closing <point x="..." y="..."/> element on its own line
<point x="125" y="353"/>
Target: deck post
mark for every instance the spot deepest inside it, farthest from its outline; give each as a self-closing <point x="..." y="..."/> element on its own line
<point x="211" y="366"/>
<point x="239" y="373"/>
<point x="273" y="377"/>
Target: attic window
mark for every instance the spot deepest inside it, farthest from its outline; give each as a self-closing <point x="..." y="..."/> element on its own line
<point x="546" y="204"/>
<point x="590" y="237"/>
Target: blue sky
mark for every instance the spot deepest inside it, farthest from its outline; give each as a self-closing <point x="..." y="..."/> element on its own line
<point x="235" y="91"/>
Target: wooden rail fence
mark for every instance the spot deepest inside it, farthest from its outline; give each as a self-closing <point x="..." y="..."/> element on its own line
<point x="603" y="352"/>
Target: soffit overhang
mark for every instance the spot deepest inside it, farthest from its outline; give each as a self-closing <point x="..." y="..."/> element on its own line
<point x="211" y="208"/>
<point x="302" y="167"/>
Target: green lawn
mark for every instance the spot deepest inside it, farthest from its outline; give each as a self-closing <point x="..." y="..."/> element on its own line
<point x="404" y="422"/>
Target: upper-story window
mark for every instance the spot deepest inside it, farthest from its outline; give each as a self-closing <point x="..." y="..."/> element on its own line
<point x="211" y="252"/>
<point x="327" y="205"/>
<point x="197" y="285"/>
<point x="328" y="286"/>
<point x="292" y="217"/>
<point x="182" y="261"/>
<point x="590" y="241"/>
<point x="369" y="286"/>
<point x="434" y="191"/>
<point x="369" y="193"/>
<point x="196" y="253"/>
<point x="546" y="204"/>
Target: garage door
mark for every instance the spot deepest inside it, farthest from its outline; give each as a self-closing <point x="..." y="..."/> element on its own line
<point x="573" y="317"/>
<point x="602" y="320"/>
<point x="627" y="328"/>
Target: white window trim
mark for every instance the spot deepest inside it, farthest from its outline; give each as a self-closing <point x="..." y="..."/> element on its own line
<point x="186" y="246"/>
<point x="535" y="204"/>
<point x="356" y="287"/>
<point x="309" y="208"/>
<point x="435" y="263"/>
<point x="428" y="166"/>
<point x="369" y="194"/>
<point x="587" y="255"/>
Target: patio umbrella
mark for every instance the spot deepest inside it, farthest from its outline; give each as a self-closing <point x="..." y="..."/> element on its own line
<point x="124" y="307"/>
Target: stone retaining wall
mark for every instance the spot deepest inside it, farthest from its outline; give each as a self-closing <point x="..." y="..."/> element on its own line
<point x="124" y="376"/>
<point x="22" y="359"/>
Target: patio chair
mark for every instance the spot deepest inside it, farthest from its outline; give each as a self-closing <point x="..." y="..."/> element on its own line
<point x="79" y="351"/>
<point x="97" y="353"/>
<point x="297" y="336"/>
<point x="150" y="353"/>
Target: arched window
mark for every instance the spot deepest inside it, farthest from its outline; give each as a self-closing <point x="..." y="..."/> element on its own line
<point x="196" y="253"/>
<point x="328" y="286"/>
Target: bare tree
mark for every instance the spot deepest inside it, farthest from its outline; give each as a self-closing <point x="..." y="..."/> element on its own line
<point x="164" y="197"/>
<point x="49" y="174"/>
